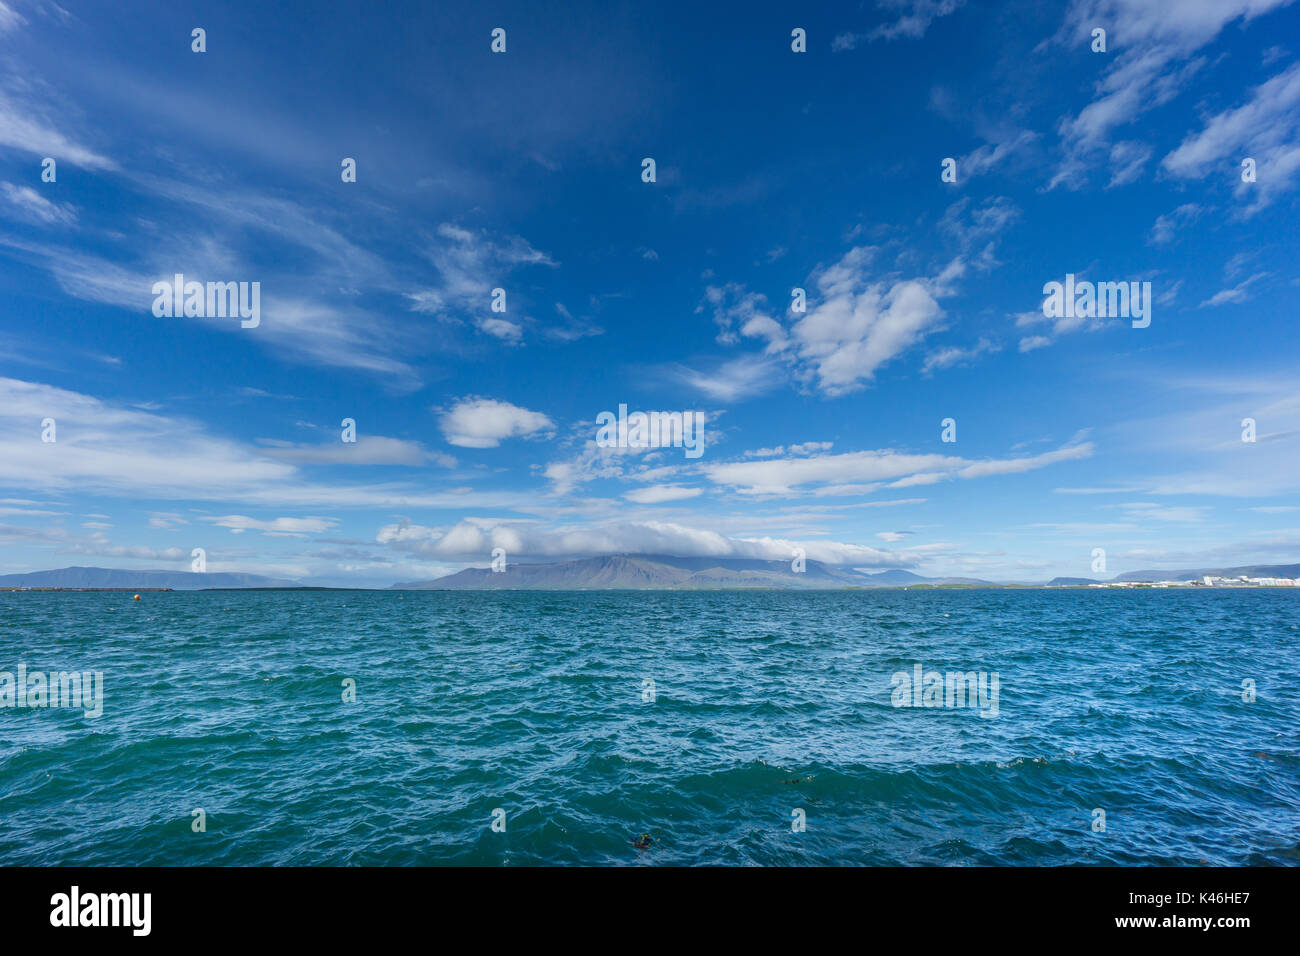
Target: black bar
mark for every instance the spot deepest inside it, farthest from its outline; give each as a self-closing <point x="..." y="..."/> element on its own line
<point x="950" y="906"/>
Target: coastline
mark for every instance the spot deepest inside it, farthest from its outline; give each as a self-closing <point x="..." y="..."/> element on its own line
<point x="1117" y="586"/>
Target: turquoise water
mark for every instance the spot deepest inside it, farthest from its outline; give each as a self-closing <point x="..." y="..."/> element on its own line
<point x="764" y="703"/>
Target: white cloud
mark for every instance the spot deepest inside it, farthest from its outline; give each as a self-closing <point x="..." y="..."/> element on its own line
<point x="734" y="380"/>
<point x="1266" y="128"/>
<point x="733" y="307"/>
<point x="503" y="329"/>
<point x="10" y="19"/>
<point x="27" y="204"/>
<point x="911" y="19"/>
<point x="859" y="326"/>
<point x="366" y="450"/>
<point x="857" y="322"/>
<point x="804" y="448"/>
<point x="24" y="126"/>
<point x="990" y="155"/>
<point x="954" y="355"/>
<point x="785" y="476"/>
<point x="1238" y="293"/>
<point x="296" y="526"/>
<point x="1168" y="226"/>
<point x="656" y="494"/>
<point x="112" y="450"/>
<point x="298" y="320"/>
<point x="166" y="520"/>
<point x="1127" y="160"/>
<point x="1153" y="57"/>
<point x="1154" y="511"/>
<point x="485" y="422"/>
<point x="974" y="225"/>
<point x="474" y="538"/>
<point x="470" y="266"/>
<point x="856" y="327"/>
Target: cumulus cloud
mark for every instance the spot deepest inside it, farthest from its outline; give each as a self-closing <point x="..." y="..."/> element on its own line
<point x="733" y="307"/>
<point x="857" y="325"/>
<point x="486" y="422"/>
<point x="859" y="316"/>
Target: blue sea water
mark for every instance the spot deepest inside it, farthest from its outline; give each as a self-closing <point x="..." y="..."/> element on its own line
<point x="764" y="703"/>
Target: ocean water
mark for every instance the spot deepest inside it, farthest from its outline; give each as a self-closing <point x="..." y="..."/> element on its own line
<point x="764" y="704"/>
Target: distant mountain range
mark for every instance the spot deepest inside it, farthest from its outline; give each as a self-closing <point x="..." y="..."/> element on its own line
<point x="642" y="572"/>
<point x="118" y="578"/>
<point x="613" y="572"/>
<point x="1249" y="570"/>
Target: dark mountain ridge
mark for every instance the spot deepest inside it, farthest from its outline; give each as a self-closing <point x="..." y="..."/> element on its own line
<point x="640" y="572"/>
<point x="79" y="577"/>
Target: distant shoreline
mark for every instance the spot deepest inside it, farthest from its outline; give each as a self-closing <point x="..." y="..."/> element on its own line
<point x="1126" y="586"/>
<point x="641" y="573"/>
<point x="120" y="590"/>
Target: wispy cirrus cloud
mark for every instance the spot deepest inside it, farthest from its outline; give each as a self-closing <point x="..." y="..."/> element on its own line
<point x="29" y="122"/>
<point x="1154" y="55"/>
<point x="274" y="526"/>
<point x="1266" y="128"/>
<point x="783" y="476"/>
<point x="1167" y="227"/>
<point x="366" y="450"/>
<point x="110" y="449"/>
<point x="910" y="19"/>
<point x="734" y="380"/>
<point x="658" y="494"/>
<point x="470" y="266"/>
<point x="25" y="203"/>
<point x="1237" y="293"/>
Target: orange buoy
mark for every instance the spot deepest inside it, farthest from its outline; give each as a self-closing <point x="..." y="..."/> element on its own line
<point x="136" y="598"/>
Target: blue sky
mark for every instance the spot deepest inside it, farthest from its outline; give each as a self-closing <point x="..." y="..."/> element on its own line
<point x="522" y="171"/>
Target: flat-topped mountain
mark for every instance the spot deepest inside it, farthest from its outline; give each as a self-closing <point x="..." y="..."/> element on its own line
<point x="627" y="571"/>
<point x="639" y="572"/>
